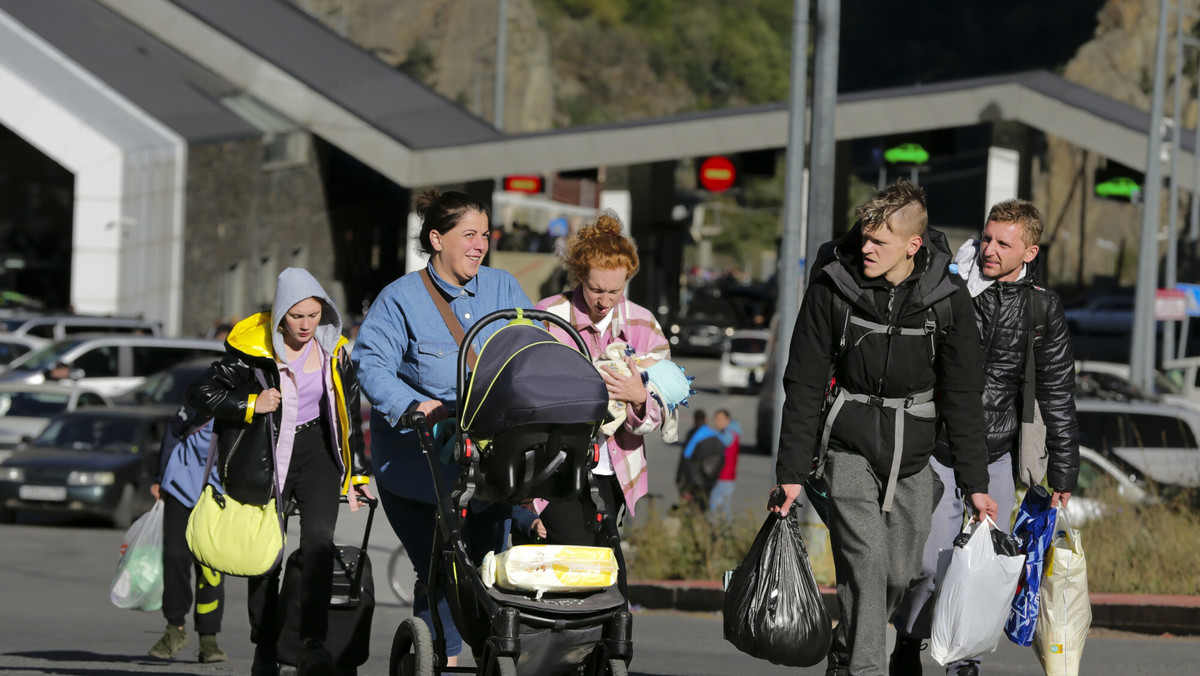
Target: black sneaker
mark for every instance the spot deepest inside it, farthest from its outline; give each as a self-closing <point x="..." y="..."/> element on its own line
<point x="316" y="660"/>
<point x="906" y="657"/>
<point x="265" y="663"/>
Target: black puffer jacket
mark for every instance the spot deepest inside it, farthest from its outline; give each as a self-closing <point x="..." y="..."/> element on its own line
<point x="1005" y="316"/>
<point x="246" y="441"/>
<point x="884" y="365"/>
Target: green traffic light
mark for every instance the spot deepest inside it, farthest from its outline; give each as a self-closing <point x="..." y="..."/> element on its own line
<point x="909" y="153"/>
<point x="1121" y="186"/>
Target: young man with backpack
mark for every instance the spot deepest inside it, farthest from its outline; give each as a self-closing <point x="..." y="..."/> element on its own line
<point x="1028" y="368"/>
<point x="885" y="343"/>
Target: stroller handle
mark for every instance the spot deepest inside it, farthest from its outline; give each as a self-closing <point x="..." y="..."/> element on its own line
<point x="535" y="315"/>
<point x="412" y="420"/>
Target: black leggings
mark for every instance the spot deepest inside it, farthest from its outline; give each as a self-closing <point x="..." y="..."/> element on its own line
<point x="178" y="566"/>
<point x="566" y="525"/>
<point x="312" y="480"/>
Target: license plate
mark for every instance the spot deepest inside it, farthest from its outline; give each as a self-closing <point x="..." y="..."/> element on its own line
<point x="55" y="493"/>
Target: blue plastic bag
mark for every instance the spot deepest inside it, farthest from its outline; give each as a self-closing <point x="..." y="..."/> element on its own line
<point x="1034" y="528"/>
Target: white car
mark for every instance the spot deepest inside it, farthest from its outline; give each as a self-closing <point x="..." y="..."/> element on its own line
<point x="743" y="360"/>
<point x="109" y="364"/>
<point x="1099" y="477"/>
<point x="1158" y="439"/>
<point x="25" y="409"/>
<point x="13" y="346"/>
<point x="1111" y="380"/>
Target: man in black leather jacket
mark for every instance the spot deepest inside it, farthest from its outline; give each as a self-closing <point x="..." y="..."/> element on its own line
<point x="998" y="271"/>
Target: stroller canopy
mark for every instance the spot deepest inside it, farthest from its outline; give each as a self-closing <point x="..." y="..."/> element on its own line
<point x="525" y="375"/>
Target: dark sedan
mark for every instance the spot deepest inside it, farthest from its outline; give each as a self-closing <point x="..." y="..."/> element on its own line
<point x="94" y="462"/>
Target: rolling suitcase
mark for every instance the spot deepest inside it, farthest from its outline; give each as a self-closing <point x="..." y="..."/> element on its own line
<point x="351" y="606"/>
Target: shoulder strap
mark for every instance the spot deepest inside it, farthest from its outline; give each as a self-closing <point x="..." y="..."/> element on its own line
<point x="1038" y="318"/>
<point x="452" y="323"/>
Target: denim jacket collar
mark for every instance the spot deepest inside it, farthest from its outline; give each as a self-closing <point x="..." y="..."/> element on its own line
<point x="452" y="291"/>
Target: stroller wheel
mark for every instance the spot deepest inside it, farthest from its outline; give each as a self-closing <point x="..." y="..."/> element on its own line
<point x="412" y="649"/>
<point x="501" y="666"/>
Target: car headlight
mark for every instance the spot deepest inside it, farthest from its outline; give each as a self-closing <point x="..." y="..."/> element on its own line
<point x="674" y="328"/>
<point x="729" y="331"/>
<point x="91" y="479"/>
<point x="12" y="474"/>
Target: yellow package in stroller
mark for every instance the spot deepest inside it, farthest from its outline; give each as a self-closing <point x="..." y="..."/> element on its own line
<point x="550" y="568"/>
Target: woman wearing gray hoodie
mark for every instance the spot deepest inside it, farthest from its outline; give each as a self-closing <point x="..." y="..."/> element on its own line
<point x="285" y="399"/>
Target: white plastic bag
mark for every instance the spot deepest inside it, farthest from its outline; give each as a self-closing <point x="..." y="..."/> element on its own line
<point x="973" y="598"/>
<point x="1066" y="610"/>
<point x="550" y="568"/>
<point x="138" y="583"/>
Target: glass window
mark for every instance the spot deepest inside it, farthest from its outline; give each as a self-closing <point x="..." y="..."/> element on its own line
<point x="33" y="404"/>
<point x="89" y="399"/>
<point x="99" y="362"/>
<point x="1160" y="431"/>
<point x="41" y="331"/>
<point x="10" y="351"/>
<point x="151" y="359"/>
<point x="1100" y="430"/>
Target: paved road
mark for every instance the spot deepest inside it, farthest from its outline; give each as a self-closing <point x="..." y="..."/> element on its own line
<point x="55" y="616"/>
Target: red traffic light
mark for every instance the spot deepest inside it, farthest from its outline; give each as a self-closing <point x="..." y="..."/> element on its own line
<point x="526" y="184"/>
<point x="717" y="174"/>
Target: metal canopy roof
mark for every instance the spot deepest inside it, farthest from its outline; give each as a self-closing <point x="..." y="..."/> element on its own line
<point x="276" y="53"/>
<point x="176" y="91"/>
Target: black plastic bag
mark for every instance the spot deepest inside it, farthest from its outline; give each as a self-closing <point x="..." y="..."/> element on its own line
<point x="773" y="608"/>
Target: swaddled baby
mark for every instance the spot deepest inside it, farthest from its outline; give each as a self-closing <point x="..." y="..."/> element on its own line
<point x="664" y="380"/>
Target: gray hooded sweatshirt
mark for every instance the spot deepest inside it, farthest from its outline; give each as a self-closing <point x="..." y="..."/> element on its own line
<point x="293" y="286"/>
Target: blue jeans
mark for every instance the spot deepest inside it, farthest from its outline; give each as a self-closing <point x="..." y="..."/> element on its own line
<point x="414" y="523"/>
<point x="721" y="501"/>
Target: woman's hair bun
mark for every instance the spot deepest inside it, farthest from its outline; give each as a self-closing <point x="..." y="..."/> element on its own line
<point x="608" y="224"/>
<point x="425" y="200"/>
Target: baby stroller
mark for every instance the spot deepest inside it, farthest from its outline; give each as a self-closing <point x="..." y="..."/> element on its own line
<point x="529" y="418"/>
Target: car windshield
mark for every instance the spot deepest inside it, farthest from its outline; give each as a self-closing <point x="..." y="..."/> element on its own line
<point x="167" y="387"/>
<point x="46" y="357"/>
<point x="109" y="435"/>
<point x="33" y="404"/>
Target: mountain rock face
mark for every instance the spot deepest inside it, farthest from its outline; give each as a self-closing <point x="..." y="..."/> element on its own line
<point x="451" y="46"/>
<point x="1117" y="62"/>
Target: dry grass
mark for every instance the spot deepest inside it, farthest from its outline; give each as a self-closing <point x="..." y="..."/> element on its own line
<point x="1142" y="549"/>
<point x="1145" y="549"/>
<point x="684" y="544"/>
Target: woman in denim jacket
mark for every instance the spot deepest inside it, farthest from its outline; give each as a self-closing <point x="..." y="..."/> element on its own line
<point x="407" y="361"/>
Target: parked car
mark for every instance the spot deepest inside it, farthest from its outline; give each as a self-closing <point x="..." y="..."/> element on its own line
<point x="57" y="327"/>
<point x="743" y="360"/>
<point x="1100" y="479"/>
<point x="91" y="462"/>
<point x="1111" y="380"/>
<point x="25" y="409"/>
<point x="109" y="364"/>
<point x="712" y="314"/>
<point x="1159" y="439"/>
<point x="13" y="346"/>
<point x="1102" y="315"/>
<point x="166" y="388"/>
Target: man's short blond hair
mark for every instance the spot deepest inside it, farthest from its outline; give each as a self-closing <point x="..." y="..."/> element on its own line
<point x="1023" y="213"/>
<point x="902" y="197"/>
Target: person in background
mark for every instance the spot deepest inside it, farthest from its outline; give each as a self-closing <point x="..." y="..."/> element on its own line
<point x="286" y="396"/>
<point x="179" y="482"/>
<point x="408" y="359"/>
<point x="730" y="433"/>
<point x="601" y="261"/>
<point x="998" y="270"/>
<point x="701" y="462"/>
<point x="884" y="315"/>
<point x="699" y="419"/>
